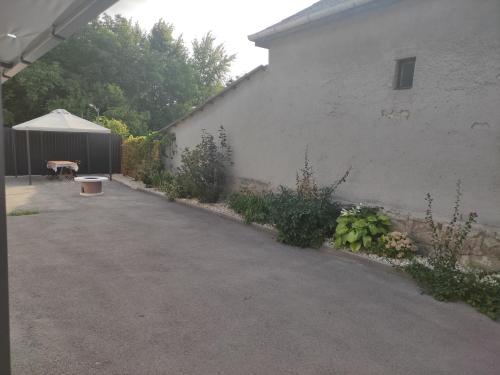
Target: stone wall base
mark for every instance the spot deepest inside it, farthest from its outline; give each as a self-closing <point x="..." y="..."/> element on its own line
<point x="482" y="248"/>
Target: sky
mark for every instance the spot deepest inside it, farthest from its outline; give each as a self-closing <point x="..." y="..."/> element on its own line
<point x="230" y="22"/>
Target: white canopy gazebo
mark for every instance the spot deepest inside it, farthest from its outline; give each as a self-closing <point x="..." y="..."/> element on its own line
<point x="61" y="121"/>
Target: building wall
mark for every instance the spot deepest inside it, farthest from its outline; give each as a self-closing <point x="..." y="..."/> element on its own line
<point x="330" y="88"/>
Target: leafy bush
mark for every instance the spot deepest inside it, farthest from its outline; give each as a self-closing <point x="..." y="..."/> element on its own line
<point x="255" y="208"/>
<point x="360" y="227"/>
<point x="303" y="221"/>
<point x="448" y="239"/>
<point x="479" y="289"/>
<point x="142" y="156"/>
<point x="443" y="277"/>
<point x="306" y="216"/>
<point x="116" y="126"/>
<point x="133" y="155"/>
<point x="203" y="172"/>
<point x="162" y="180"/>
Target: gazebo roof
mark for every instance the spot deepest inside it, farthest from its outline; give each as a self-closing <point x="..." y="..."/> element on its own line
<point x="61" y="121"/>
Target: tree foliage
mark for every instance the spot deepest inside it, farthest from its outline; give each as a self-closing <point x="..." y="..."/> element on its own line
<point x="143" y="79"/>
<point x="211" y="63"/>
<point x="116" y="126"/>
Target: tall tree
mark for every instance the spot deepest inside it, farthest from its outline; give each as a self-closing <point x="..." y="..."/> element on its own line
<point x="212" y="65"/>
<point x="144" y="79"/>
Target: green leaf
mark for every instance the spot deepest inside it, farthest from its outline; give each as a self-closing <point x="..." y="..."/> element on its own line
<point x="355" y="247"/>
<point x="372" y="218"/>
<point x="352" y="236"/>
<point x="384" y="219"/>
<point x="338" y="241"/>
<point x="343" y="220"/>
<point x="344" y="239"/>
<point x="360" y="223"/>
<point x="363" y="232"/>
<point x="341" y="229"/>
<point x="382" y="230"/>
<point x="367" y="242"/>
<point x="373" y="229"/>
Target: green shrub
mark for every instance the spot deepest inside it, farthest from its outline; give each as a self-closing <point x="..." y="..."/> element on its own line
<point x="361" y="227"/>
<point x="142" y="156"/>
<point x="479" y="289"/>
<point x="116" y="126"/>
<point x="203" y="172"/>
<point x="162" y="180"/>
<point x="443" y="277"/>
<point x="303" y="221"/>
<point x="133" y="155"/>
<point x="304" y="217"/>
<point x="255" y="208"/>
<point x="448" y="239"/>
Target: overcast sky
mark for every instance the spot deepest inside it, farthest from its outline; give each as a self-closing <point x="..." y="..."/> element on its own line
<point x="230" y="21"/>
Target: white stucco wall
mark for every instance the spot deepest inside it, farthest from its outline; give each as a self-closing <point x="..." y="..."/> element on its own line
<point x="331" y="88"/>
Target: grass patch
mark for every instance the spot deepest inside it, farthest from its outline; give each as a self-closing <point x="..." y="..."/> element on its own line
<point x="21" y="212"/>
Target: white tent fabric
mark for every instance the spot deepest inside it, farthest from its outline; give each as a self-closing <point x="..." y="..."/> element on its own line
<point x="61" y="120"/>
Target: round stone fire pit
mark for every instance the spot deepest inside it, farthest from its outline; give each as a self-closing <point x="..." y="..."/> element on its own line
<point x="91" y="186"/>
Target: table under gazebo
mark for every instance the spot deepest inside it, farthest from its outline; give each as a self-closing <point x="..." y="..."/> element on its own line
<point x="61" y="121"/>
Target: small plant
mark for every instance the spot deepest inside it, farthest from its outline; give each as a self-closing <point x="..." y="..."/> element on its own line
<point x="204" y="170"/>
<point x="22" y="212"/>
<point x="305" y="182"/>
<point x="162" y="180"/>
<point x="306" y="216"/>
<point x="303" y="221"/>
<point x="141" y="157"/>
<point x="448" y="239"/>
<point x="396" y="245"/>
<point x="478" y="288"/>
<point x="255" y="208"/>
<point x="443" y="277"/>
<point x="360" y="227"/>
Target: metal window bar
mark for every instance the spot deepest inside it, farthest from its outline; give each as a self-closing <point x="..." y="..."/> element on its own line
<point x="405" y="73"/>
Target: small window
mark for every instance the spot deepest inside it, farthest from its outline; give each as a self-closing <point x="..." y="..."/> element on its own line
<point x="405" y="69"/>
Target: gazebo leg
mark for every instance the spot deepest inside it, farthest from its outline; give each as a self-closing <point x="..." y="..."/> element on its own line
<point x="88" y="152"/>
<point x="110" y="161"/>
<point x="28" y="155"/>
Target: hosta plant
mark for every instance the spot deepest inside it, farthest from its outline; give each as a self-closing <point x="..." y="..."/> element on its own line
<point x="360" y="228"/>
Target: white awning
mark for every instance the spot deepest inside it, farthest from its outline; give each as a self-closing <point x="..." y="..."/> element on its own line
<point x="29" y="29"/>
<point x="61" y="121"/>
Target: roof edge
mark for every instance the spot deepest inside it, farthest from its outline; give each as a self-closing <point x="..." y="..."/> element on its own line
<point x="304" y="20"/>
<point x="73" y="19"/>
<point x="210" y="100"/>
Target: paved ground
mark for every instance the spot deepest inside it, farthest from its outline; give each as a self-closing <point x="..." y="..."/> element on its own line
<point x="129" y="283"/>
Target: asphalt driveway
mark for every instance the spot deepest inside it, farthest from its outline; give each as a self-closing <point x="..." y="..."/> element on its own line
<point x="129" y="283"/>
